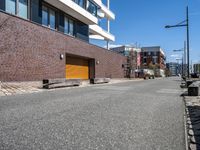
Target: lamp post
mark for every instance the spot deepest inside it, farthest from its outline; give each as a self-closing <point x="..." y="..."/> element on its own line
<point x="184" y="23"/>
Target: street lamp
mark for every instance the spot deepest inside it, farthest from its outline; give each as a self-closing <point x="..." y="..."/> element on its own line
<point x="184" y="23"/>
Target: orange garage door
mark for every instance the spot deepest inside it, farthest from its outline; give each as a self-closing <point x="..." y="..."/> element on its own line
<point x="77" y="68"/>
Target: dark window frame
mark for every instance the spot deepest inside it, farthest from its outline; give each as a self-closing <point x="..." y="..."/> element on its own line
<point x="89" y="1"/>
<point x="17" y="9"/>
<point x="74" y="22"/>
<point x="49" y="7"/>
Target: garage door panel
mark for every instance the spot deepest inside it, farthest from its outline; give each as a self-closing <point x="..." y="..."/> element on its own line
<point x="77" y="68"/>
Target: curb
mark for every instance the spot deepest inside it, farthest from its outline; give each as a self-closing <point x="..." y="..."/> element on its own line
<point x="185" y="125"/>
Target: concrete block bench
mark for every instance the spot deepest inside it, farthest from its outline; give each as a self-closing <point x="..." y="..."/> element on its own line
<point x="189" y="82"/>
<point x="62" y="82"/>
<point x="194" y="89"/>
<point x="99" y="80"/>
<point x="183" y="84"/>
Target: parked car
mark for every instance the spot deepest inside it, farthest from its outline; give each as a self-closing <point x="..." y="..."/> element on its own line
<point x="146" y="74"/>
<point x="194" y="75"/>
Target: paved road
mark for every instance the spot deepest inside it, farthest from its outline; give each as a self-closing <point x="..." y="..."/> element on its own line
<point x="143" y="115"/>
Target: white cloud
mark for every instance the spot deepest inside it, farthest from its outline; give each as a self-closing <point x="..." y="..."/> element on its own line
<point x="174" y="55"/>
<point x="113" y="45"/>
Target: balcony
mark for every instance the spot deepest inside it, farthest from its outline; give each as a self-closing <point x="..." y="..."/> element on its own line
<point x="108" y="13"/>
<point x="74" y="10"/>
<point x="98" y="33"/>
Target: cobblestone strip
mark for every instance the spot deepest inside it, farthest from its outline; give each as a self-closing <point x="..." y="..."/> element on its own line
<point x="18" y="88"/>
<point x="193" y="121"/>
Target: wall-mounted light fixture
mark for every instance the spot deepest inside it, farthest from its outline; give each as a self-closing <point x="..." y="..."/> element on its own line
<point x="97" y="62"/>
<point x="61" y="56"/>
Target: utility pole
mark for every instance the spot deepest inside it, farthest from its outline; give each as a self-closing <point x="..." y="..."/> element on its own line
<point x="108" y="24"/>
<point x="185" y="23"/>
<point x="188" y="44"/>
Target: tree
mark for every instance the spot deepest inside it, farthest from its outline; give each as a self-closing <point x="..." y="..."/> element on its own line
<point x="131" y="64"/>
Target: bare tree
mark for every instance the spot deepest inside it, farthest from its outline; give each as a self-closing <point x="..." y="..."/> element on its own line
<point x="131" y="64"/>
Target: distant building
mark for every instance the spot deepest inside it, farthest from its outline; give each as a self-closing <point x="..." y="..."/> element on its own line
<point x="133" y="58"/>
<point x="153" y="56"/>
<point x="196" y="68"/>
<point x="126" y="49"/>
<point x="174" y="68"/>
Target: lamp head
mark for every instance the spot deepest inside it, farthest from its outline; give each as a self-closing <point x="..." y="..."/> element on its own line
<point x="167" y="26"/>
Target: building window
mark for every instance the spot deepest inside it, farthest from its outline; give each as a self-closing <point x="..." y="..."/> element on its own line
<point x="23" y="9"/>
<point x="48" y="17"/>
<point x="92" y="8"/>
<point x="69" y="26"/>
<point x="17" y="7"/>
<point x="52" y="19"/>
<point x="44" y="16"/>
<point x="80" y="3"/>
<point x="144" y="60"/>
<point x="11" y="6"/>
<point x="66" y="25"/>
<point x="154" y="60"/>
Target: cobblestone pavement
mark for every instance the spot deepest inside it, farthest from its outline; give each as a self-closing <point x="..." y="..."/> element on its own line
<point x="13" y="88"/>
<point x="193" y="121"/>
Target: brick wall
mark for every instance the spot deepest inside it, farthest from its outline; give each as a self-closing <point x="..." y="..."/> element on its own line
<point x="31" y="52"/>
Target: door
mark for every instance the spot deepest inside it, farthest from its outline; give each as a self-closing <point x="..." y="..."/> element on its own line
<point x="77" y="68"/>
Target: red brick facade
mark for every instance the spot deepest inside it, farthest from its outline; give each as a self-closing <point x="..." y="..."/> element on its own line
<point x="32" y="52"/>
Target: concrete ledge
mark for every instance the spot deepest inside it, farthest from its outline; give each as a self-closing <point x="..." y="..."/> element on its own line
<point x="183" y="84"/>
<point x="99" y="80"/>
<point x="62" y="82"/>
<point x="193" y="89"/>
<point x="189" y="82"/>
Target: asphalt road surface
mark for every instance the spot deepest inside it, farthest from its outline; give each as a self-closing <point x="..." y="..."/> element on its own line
<point x="142" y="115"/>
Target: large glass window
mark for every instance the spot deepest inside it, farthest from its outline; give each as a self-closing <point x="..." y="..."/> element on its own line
<point x="66" y="25"/>
<point x="44" y="16"/>
<point x="11" y="6"/>
<point x="52" y="19"/>
<point x="48" y="17"/>
<point x="80" y="2"/>
<point x="23" y="8"/>
<point x="92" y="8"/>
<point x="71" y="27"/>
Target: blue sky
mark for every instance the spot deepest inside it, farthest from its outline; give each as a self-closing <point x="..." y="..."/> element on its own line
<point x="143" y="21"/>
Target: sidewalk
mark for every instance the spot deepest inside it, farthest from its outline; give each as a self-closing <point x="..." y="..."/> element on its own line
<point x="13" y="88"/>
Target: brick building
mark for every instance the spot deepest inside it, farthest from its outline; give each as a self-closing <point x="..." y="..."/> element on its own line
<point x="133" y="57"/>
<point x="153" y="56"/>
<point x="50" y="39"/>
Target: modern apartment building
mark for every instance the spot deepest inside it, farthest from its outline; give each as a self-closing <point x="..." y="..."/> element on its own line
<point x="50" y="39"/>
<point x="153" y="56"/>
